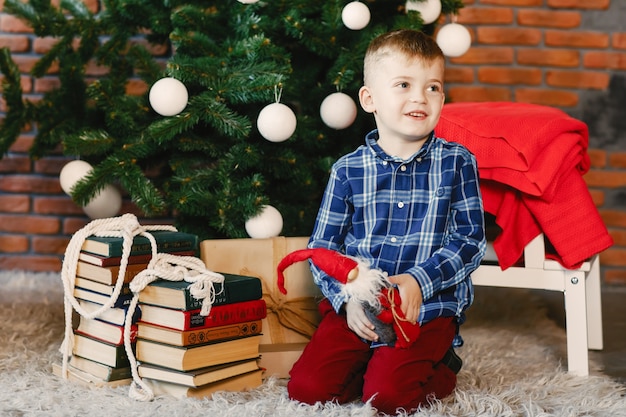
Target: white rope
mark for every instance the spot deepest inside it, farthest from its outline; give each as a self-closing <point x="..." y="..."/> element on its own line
<point x="126" y="226"/>
<point x="171" y="268"/>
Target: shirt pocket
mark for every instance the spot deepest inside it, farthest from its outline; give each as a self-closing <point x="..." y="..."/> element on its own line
<point x="443" y="192"/>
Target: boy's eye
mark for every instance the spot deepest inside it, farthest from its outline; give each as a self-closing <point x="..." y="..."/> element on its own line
<point x="403" y="85"/>
<point x="433" y="88"/>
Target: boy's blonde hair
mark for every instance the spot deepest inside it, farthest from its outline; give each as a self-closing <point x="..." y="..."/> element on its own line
<point x="411" y="43"/>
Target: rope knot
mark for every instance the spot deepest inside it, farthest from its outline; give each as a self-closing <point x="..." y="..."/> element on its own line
<point x="182" y="268"/>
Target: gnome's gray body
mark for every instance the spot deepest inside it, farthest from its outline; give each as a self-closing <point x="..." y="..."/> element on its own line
<point x="385" y="331"/>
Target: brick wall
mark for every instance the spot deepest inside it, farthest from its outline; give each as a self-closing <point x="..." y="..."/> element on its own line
<point x="569" y="54"/>
<point x="37" y="218"/>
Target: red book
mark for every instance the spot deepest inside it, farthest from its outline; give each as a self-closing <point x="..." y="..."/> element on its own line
<point x="220" y="315"/>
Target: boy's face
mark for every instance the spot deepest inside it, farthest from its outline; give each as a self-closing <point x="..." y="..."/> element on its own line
<point x="406" y="97"/>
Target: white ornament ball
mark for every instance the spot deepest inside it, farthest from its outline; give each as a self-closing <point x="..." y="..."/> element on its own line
<point x="355" y="15"/>
<point x="73" y="172"/>
<point x="429" y="9"/>
<point x="268" y="223"/>
<point x="454" y="39"/>
<point x="338" y="110"/>
<point x="106" y="203"/>
<point x="168" y="96"/>
<point x="276" y="122"/>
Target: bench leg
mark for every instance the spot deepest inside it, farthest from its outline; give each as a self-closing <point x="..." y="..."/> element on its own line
<point x="576" y="323"/>
<point x="594" y="306"/>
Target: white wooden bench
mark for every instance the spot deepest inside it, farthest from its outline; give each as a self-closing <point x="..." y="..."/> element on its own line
<point x="580" y="287"/>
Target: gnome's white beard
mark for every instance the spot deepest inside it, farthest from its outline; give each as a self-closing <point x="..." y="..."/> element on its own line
<point x="366" y="287"/>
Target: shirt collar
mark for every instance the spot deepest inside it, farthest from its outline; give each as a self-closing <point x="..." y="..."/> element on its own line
<point x="371" y="140"/>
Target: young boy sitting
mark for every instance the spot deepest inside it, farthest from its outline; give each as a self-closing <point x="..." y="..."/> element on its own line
<point x="408" y="203"/>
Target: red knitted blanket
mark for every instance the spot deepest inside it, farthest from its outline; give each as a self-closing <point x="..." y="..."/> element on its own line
<point x="531" y="160"/>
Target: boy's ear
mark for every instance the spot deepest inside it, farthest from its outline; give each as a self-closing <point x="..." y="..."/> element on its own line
<point x="366" y="99"/>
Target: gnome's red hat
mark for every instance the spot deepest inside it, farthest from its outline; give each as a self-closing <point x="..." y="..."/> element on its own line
<point x="336" y="265"/>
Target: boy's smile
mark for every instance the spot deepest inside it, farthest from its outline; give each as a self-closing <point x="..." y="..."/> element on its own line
<point x="406" y="97"/>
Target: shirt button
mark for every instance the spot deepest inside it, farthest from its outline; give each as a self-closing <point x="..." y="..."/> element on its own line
<point x="385" y="163"/>
<point x="394" y="239"/>
<point x="403" y="168"/>
<point x="400" y="204"/>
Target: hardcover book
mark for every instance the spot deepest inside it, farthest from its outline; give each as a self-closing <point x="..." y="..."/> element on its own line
<point x="198" y="377"/>
<point x="100" y="260"/>
<point x="176" y="294"/>
<point x="195" y="357"/>
<point x="167" y="241"/>
<point x="106" y="332"/>
<point x="85" y="378"/>
<point x="107" y="275"/>
<point x="96" y="350"/>
<point x="99" y="370"/>
<point x="196" y="337"/>
<point x="192" y="319"/>
<point x="112" y="315"/>
<point x="241" y="382"/>
<point x="95" y="297"/>
<point x="99" y="287"/>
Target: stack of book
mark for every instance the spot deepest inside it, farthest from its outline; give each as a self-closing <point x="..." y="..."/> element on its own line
<point x="98" y="355"/>
<point x="185" y="354"/>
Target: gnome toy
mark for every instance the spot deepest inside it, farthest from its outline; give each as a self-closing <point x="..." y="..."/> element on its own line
<point x="380" y="300"/>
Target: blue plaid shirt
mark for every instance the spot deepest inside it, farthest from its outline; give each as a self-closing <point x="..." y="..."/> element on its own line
<point x="422" y="216"/>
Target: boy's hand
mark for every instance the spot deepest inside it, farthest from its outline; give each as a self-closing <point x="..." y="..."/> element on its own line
<point x="411" y="295"/>
<point x="358" y="321"/>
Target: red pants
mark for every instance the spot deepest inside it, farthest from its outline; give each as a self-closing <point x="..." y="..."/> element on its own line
<point x="337" y="365"/>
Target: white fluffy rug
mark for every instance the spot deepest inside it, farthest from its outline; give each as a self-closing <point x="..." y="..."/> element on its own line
<point x="512" y="367"/>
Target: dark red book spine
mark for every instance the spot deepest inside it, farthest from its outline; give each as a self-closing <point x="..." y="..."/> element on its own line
<point x="227" y="314"/>
<point x="220" y="315"/>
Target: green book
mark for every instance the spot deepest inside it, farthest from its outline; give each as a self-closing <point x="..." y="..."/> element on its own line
<point x="100" y="370"/>
<point x="176" y="294"/>
<point x="98" y="351"/>
<point x="167" y="242"/>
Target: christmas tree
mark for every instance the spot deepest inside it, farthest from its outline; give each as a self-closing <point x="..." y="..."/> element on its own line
<point x="206" y="142"/>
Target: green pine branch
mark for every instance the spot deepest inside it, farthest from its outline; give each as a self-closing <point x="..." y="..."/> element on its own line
<point x="16" y="116"/>
<point x="208" y="166"/>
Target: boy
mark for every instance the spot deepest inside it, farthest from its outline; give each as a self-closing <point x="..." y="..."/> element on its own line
<point x="408" y="203"/>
